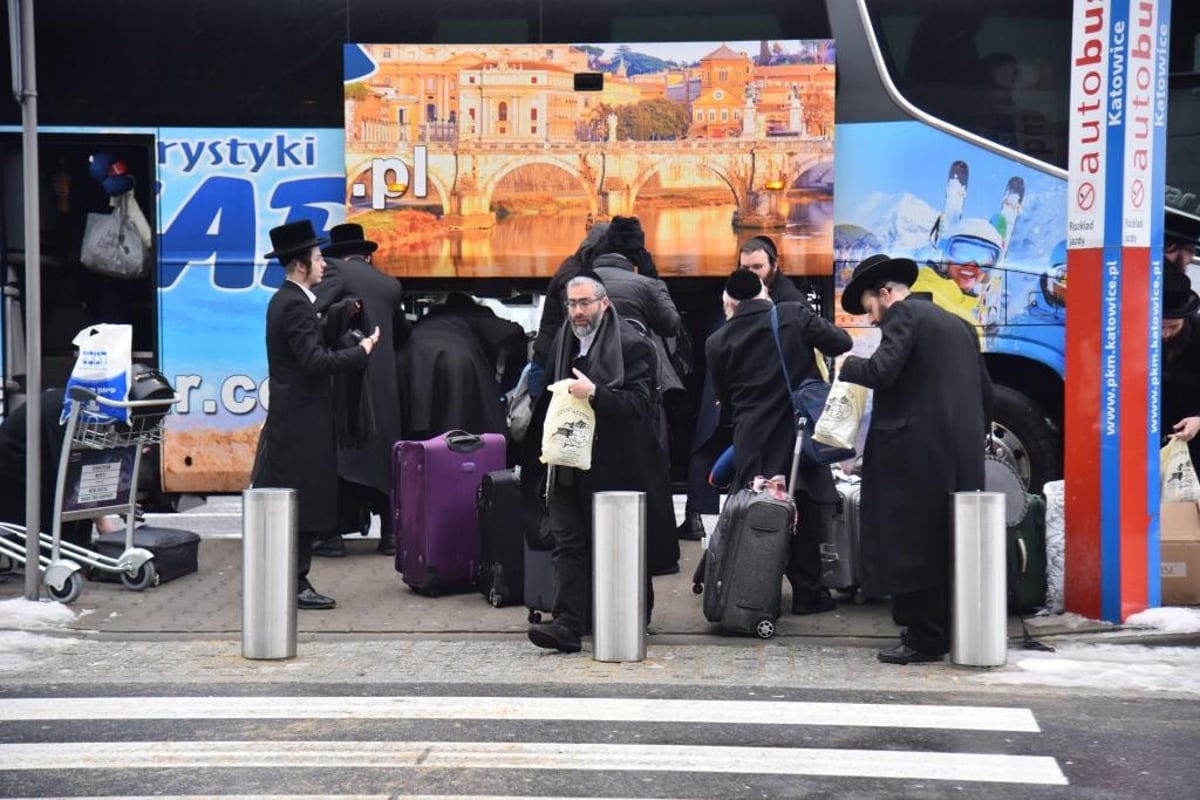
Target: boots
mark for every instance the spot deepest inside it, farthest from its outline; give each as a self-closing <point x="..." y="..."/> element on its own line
<point x="387" y="541"/>
<point x="692" y="527"/>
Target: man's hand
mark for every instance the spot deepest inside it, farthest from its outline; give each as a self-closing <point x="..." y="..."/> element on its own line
<point x="1187" y="428"/>
<point x="369" y="342"/>
<point x="582" y="387"/>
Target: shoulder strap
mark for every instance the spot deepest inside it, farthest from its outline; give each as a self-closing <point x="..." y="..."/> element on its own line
<point x="779" y="346"/>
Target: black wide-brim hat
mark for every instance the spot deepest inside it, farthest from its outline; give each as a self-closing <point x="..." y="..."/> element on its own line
<point x="873" y="272"/>
<point x="1179" y="301"/>
<point x="348" y="239"/>
<point x="292" y="239"/>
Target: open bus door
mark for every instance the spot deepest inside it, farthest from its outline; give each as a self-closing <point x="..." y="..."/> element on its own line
<point x="73" y="297"/>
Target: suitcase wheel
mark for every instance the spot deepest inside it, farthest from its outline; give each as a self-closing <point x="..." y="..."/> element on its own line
<point x="697" y="588"/>
<point x="765" y="628"/>
<point x="534" y="617"/>
<point x="495" y="599"/>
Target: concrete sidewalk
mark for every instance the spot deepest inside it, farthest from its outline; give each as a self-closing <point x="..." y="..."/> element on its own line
<point x="373" y="602"/>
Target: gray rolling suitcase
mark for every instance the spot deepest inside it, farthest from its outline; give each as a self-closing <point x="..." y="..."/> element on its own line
<point x="839" y="546"/>
<point x="741" y="572"/>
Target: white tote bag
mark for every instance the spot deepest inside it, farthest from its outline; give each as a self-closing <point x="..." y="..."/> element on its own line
<point x="1179" y="483"/>
<point x="840" y="420"/>
<point x="570" y="426"/>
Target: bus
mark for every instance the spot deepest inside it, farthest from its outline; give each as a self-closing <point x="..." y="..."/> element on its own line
<point x="949" y="145"/>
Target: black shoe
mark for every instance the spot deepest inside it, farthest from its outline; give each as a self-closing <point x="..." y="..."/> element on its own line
<point x="808" y="603"/>
<point x="387" y="545"/>
<point x="669" y="569"/>
<point x="555" y="636"/>
<point x="312" y="600"/>
<point x="692" y="527"/>
<point x="330" y="548"/>
<point x="903" y="654"/>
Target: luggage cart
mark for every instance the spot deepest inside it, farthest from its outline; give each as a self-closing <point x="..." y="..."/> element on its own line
<point x="97" y="474"/>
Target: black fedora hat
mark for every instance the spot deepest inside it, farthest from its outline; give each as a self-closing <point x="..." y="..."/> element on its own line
<point x="873" y="272"/>
<point x="292" y="239"/>
<point x="1179" y="301"/>
<point x="348" y="239"/>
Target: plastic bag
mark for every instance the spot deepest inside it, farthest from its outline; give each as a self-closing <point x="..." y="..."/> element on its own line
<point x="113" y="244"/>
<point x="1179" y="483"/>
<point x="520" y="407"/>
<point x="1056" y="544"/>
<point x="840" y="420"/>
<point x="103" y="367"/>
<point x="570" y="426"/>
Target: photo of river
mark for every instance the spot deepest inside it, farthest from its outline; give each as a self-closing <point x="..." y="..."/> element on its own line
<point x="691" y="241"/>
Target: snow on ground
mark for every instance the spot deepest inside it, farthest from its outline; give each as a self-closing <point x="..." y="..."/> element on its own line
<point x="1171" y="619"/>
<point x="18" y="647"/>
<point x="1114" y="667"/>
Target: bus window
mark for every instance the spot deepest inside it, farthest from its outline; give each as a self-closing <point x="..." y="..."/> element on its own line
<point x="696" y="20"/>
<point x="997" y="68"/>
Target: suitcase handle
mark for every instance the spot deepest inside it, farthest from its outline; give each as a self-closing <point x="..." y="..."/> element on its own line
<point x="462" y="442"/>
<point x="1024" y="554"/>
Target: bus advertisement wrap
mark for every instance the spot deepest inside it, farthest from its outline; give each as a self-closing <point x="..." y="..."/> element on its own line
<point x="220" y="193"/>
<point x="987" y="233"/>
<point x="492" y="160"/>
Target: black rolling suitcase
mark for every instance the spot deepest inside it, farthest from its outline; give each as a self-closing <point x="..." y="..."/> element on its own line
<point x="507" y="516"/>
<point x="502" y="523"/>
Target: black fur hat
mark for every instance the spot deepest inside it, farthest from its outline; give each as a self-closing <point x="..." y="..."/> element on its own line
<point x="624" y="235"/>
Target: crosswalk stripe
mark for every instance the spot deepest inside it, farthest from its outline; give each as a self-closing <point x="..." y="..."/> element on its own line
<point x="972" y="718"/>
<point x="903" y="764"/>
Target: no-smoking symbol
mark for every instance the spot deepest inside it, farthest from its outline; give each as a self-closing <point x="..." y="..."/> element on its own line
<point x="1085" y="196"/>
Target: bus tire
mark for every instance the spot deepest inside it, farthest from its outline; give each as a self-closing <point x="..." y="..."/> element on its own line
<point x="1025" y="438"/>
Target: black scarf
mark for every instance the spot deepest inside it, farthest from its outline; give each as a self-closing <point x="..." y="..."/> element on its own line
<point x="354" y="419"/>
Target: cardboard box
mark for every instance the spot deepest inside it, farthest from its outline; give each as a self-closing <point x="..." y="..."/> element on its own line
<point x="1179" y="525"/>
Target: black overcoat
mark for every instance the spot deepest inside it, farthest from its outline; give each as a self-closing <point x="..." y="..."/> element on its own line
<point x="750" y="386"/>
<point x="626" y="455"/>
<point x="371" y="465"/>
<point x="448" y="370"/>
<point x="926" y="440"/>
<point x="297" y="448"/>
<point x="1181" y="381"/>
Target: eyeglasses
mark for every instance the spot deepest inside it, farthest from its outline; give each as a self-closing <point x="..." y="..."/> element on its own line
<point x="584" y="304"/>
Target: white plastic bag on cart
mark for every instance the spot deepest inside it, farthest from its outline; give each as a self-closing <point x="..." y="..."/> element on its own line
<point x="103" y="367"/>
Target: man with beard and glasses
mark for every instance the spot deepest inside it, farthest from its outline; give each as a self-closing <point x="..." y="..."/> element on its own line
<point x="611" y="364"/>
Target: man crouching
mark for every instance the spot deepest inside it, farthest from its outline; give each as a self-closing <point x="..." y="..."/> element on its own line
<point x="613" y="366"/>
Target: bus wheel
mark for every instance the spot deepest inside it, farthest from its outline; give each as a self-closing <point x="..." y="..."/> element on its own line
<point x="1025" y="439"/>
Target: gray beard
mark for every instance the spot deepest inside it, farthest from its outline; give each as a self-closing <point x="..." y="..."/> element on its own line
<point x="586" y="329"/>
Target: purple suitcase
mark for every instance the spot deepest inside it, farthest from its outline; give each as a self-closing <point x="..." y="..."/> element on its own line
<point x="433" y="500"/>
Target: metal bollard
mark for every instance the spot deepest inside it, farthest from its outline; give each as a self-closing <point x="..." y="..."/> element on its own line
<point x="269" y="573"/>
<point x="619" y="575"/>
<point x="979" y="636"/>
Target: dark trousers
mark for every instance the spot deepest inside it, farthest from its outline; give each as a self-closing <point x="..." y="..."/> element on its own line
<point x="804" y="562"/>
<point x="926" y="617"/>
<point x="304" y="543"/>
<point x="569" y="520"/>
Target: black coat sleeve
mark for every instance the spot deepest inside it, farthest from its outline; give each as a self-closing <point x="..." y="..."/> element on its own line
<point x="823" y="334"/>
<point x="881" y="369"/>
<point x="663" y="318"/>
<point x="301" y="329"/>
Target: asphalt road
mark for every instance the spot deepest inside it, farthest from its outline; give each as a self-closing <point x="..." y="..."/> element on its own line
<point x="495" y="740"/>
